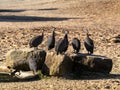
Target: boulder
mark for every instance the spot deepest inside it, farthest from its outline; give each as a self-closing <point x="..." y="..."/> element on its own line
<point x="51" y="64"/>
<point x="18" y="58"/>
<point x="57" y="64"/>
<point x="95" y="63"/>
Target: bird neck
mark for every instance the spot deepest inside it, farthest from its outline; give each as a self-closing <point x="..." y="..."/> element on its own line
<point x="53" y="33"/>
<point x="42" y="34"/>
<point x="87" y="35"/>
<point x="66" y="36"/>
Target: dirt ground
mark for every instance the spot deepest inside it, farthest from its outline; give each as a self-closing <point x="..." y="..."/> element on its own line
<point x="20" y="20"/>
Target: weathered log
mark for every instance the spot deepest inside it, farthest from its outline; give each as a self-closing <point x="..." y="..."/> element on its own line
<point x="57" y="64"/>
<point x="95" y="63"/>
<point x="18" y="59"/>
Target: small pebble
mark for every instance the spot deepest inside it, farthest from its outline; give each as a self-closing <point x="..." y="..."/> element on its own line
<point x="107" y="87"/>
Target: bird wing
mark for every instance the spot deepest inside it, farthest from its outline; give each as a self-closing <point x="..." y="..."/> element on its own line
<point x="34" y="39"/>
<point x="60" y="45"/>
<point x="49" y="41"/>
<point x="89" y="42"/>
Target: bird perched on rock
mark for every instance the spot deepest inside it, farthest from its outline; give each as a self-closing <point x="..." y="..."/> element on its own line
<point x="32" y="61"/>
<point x="35" y="41"/>
<point x="89" y="44"/>
<point x="51" y="40"/>
<point x="62" y="44"/>
<point x="76" y="44"/>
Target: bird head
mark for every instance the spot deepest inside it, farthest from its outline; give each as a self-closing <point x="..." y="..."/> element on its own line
<point x="66" y="32"/>
<point x="42" y="32"/>
<point x="87" y="32"/>
<point x="53" y="30"/>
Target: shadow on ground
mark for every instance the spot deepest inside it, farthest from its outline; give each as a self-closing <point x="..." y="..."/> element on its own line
<point x="12" y="10"/>
<point x="82" y="76"/>
<point x="31" y="18"/>
<point x="22" y="10"/>
<point x="91" y="76"/>
<point x="4" y="77"/>
<point x="86" y="54"/>
<point x="48" y="9"/>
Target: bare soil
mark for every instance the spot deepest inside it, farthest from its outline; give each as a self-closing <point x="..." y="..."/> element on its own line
<point x="20" y="20"/>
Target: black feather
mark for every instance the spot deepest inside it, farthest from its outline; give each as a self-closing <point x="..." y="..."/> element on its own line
<point x="35" y="41"/>
<point x="62" y="45"/>
<point x="76" y="44"/>
<point x="51" y="41"/>
<point x="89" y="44"/>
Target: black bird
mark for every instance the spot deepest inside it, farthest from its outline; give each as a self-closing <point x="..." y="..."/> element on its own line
<point x="76" y="45"/>
<point x="51" y="41"/>
<point x="62" y="44"/>
<point x="33" y="64"/>
<point x="35" y="41"/>
<point x="89" y="44"/>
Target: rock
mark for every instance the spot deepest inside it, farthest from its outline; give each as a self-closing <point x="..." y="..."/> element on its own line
<point x="52" y="64"/>
<point x="40" y="55"/>
<point x="57" y="64"/>
<point x="107" y="86"/>
<point x="18" y="59"/>
<point x="95" y="63"/>
<point x="26" y="75"/>
<point x="3" y="68"/>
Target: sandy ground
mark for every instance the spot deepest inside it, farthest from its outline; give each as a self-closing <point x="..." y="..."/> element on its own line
<point x="20" y="20"/>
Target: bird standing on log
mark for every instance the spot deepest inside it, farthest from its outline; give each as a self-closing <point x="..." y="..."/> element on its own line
<point x="35" y="41"/>
<point x="76" y="45"/>
<point x="62" y="44"/>
<point x="88" y="43"/>
<point x="51" y="41"/>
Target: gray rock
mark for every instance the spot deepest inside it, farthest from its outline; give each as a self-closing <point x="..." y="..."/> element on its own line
<point x="57" y="64"/>
<point x="95" y="63"/>
<point x="18" y="59"/>
<point x="52" y="64"/>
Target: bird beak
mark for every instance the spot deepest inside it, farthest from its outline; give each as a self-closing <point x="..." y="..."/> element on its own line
<point x="89" y="34"/>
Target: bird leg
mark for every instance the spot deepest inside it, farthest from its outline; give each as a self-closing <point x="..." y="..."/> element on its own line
<point x="63" y="53"/>
<point x="88" y="52"/>
<point x="19" y="73"/>
<point x="34" y="72"/>
<point x="35" y="48"/>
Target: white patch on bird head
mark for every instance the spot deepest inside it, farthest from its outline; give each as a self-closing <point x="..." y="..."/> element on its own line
<point x="66" y="32"/>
